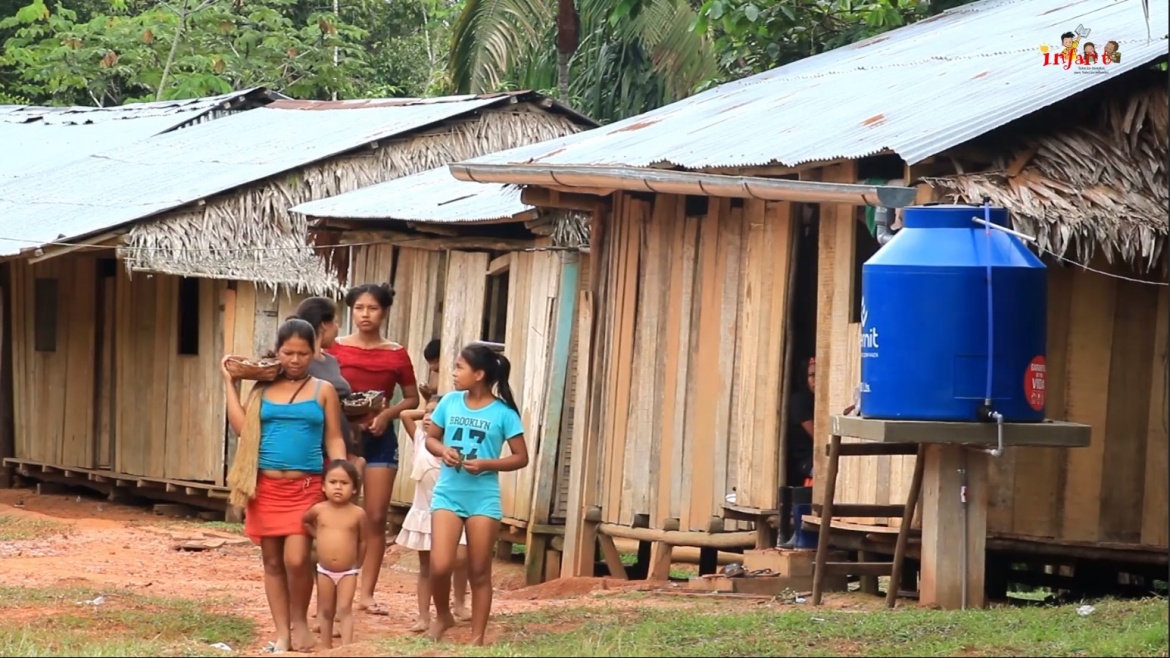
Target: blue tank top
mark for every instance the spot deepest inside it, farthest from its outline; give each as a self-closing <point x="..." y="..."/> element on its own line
<point x="290" y="435"/>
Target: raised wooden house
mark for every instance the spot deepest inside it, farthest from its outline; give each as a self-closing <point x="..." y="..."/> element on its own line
<point x="128" y="283"/>
<point x="715" y="269"/>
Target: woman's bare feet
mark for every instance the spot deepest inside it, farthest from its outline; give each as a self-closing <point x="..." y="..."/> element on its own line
<point x="421" y="625"/>
<point x="303" y="640"/>
<point x="461" y="613"/>
<point x="440" y="626"/>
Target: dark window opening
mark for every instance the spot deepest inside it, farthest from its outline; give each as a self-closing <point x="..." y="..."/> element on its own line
<point x="495" y="310"/>
<point x="188" y="317"/>
<point x="696" y="206"/>
<point x="45" y="315"/>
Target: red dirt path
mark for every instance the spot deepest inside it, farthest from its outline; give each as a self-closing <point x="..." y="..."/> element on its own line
<point x="103" y="545"/>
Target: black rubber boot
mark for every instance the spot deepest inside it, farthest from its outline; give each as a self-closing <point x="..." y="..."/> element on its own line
<point x="796" y="496"/>
<point x="784" y="533"/>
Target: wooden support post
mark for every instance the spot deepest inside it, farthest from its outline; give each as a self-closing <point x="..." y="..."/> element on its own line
<point x="613" y="558"/>
<point x="580" y="531"/>
<point x="869" y="584"/>
<point x="546" y="455"/>
<point x="943" y="518"/>
<point x="836" y="285"/>
<point x="504" y="550"/>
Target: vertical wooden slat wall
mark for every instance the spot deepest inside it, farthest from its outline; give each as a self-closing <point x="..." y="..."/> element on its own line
<point x="690" y="341"/>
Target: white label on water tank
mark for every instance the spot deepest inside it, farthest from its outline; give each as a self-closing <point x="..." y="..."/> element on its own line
<point x="869" y="335"/>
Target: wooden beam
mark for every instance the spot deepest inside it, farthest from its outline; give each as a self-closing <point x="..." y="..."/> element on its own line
<point x="546" y="457"/>
<point x="543" y="197"/>
<point x="721" y="540"/>
<point x="584" y="190"/>
<point x="44" y="253"/>
<point x="499" y="265"/>
<point x="415" y="241"/>
<point x="943" y="533"/>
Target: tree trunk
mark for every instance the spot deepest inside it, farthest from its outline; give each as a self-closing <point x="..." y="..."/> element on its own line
<point x="162" y="83"/>
<point x="563" y="77"/>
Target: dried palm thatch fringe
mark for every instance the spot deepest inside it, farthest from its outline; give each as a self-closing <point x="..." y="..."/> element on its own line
<point x="241" y="479"/>
<point x="249" y="235"/>
<point x="1097" y="186"/>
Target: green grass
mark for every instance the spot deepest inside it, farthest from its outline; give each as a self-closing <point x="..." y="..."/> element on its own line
<point x="1115" y="628"/>
<point x="20" y="528"/>
<point x="123" y="624"/>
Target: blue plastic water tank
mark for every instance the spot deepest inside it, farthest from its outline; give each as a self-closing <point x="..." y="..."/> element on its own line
<point x="924" y="320"/>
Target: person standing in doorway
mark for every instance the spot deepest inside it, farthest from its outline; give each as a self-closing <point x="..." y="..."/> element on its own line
<point x="370" y="362"/>
<point x="431" y="356"/>
<point x="798" y="458"/>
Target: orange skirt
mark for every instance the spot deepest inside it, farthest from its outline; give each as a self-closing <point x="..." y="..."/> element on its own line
<point x="279" y="507"/>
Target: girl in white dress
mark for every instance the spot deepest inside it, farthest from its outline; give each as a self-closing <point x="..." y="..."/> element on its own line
<point x="416" y="527"/>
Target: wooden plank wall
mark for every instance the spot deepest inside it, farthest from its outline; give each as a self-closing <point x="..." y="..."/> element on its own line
<point x="54" y="392"/>
<point x="156" y="413"/>
<point x="169" y="408"/>
<point x="533" y="285"/>
<point x="690" y="325"/>
<point x="1107" y="367"/>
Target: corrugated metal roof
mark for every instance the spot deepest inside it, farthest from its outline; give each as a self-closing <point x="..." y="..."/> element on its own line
<point x="917" y="91"/>
<point x="433" y="196"/>
<point x="551" y="104"/>
<point x="107" y="190"/>
<point x="36" y="138"/>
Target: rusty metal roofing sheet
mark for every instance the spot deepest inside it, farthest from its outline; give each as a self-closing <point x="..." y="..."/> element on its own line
<point x="916" y="90"/>
<point x="103" y="191"/>
<point x="433" y="196"/>
<point x="34" y="138"/>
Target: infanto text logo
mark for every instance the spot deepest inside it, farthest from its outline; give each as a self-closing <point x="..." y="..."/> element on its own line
<point x="1078" y="54"/>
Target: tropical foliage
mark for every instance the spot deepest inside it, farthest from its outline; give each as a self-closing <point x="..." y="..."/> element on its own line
<point x="632" y="55"/>
<point x="136" y="50"/>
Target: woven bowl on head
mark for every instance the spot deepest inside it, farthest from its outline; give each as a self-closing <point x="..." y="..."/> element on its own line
<point x="259" y="370"/>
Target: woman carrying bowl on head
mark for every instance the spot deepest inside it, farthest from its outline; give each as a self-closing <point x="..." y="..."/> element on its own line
<point x="370" y="362"/>
<point x="286" y="429"/>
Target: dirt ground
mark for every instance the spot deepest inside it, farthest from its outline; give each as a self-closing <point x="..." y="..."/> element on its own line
<point x="103" y="545"/>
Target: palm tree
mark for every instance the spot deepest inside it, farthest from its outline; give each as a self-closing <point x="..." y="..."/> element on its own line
<point x="613" y="59"/>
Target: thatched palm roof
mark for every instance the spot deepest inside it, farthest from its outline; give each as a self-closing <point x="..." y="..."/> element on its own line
<point x="1101" y="185"/>
<point x="249" y="234"/>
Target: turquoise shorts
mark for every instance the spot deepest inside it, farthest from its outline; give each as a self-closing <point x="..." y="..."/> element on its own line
<point x="467" y="506"/>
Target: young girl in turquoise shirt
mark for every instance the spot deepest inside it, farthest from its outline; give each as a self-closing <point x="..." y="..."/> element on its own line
<point x="468" y="431"/>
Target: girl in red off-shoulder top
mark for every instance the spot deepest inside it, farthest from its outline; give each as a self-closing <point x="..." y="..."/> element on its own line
<point x="369" y="362"/>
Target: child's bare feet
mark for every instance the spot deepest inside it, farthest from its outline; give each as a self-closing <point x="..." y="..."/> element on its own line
<point x="461" y="613"/>
<point x="421" y="625"/>
<point x="315" y="627"/>
<point x="440" y="626"/>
